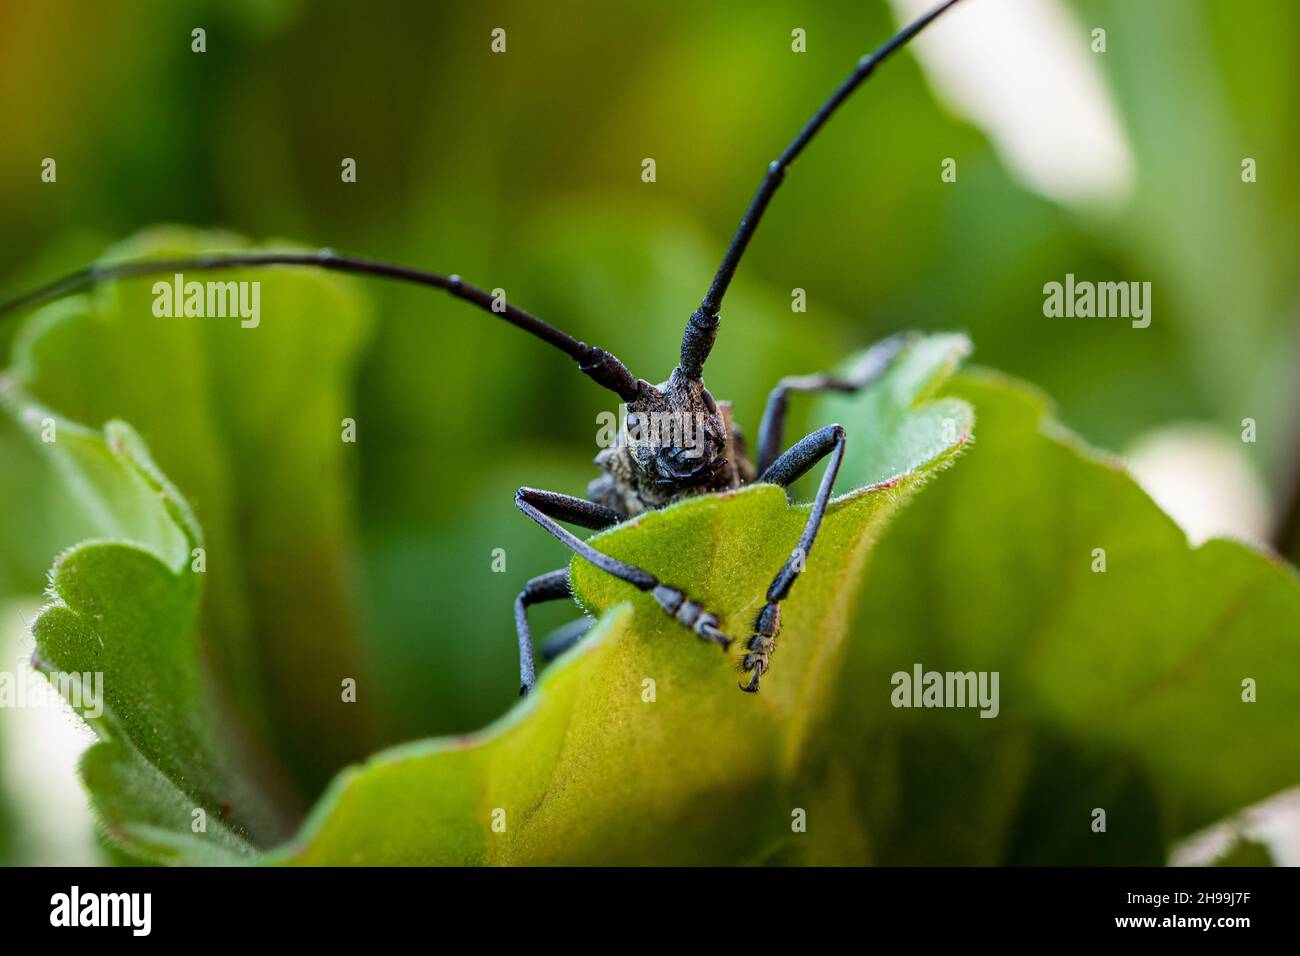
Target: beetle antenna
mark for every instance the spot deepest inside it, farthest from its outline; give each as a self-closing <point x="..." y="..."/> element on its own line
<point x="601" y="366"/>
<point x="702" y="327"/>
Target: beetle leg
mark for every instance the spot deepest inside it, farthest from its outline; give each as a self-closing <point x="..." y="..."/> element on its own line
<point x="552" y="586"/>
<point x="772" y="430"/>
<point x="547" y="508"/>
<point x="786" y="470"/>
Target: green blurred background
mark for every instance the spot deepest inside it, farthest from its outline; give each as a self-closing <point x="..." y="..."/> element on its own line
<point x="523" y="171"/>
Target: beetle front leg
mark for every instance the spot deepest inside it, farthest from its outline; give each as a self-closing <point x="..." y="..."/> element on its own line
<point x="786" y="470"/>
<point x="545" y="507"/>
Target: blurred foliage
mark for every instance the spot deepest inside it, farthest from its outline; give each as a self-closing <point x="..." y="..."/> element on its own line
<point x="522" y="171"/>
<point x="1120" y="689"/>
<point x="7" y="855"/>
<point x="247" y="422"/>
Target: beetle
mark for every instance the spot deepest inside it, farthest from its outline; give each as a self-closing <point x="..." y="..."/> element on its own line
<point x="678" y="441"/>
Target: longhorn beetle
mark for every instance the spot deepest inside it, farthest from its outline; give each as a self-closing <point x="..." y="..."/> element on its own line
<point x="645" y="469"/>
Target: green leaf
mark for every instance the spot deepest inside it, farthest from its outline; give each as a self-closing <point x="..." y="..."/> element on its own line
<point x="902" y="425"/>
<point x="247" y="423"/>
<point x="587" y="770"/>
<point x="552" y="763"/>
<point x="119" y="639"/>
<point x="1120" y="689"/>
<point x="48" y="521"/>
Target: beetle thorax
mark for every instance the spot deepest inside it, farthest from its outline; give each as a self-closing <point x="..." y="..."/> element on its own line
<point x="674" y="442"/>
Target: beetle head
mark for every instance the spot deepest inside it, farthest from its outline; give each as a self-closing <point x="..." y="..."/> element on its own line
<point x="675" y="433"/>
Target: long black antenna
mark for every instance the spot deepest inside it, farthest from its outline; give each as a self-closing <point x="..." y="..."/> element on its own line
<point x="702" y="328"/>
<point x="602" y="367"/>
